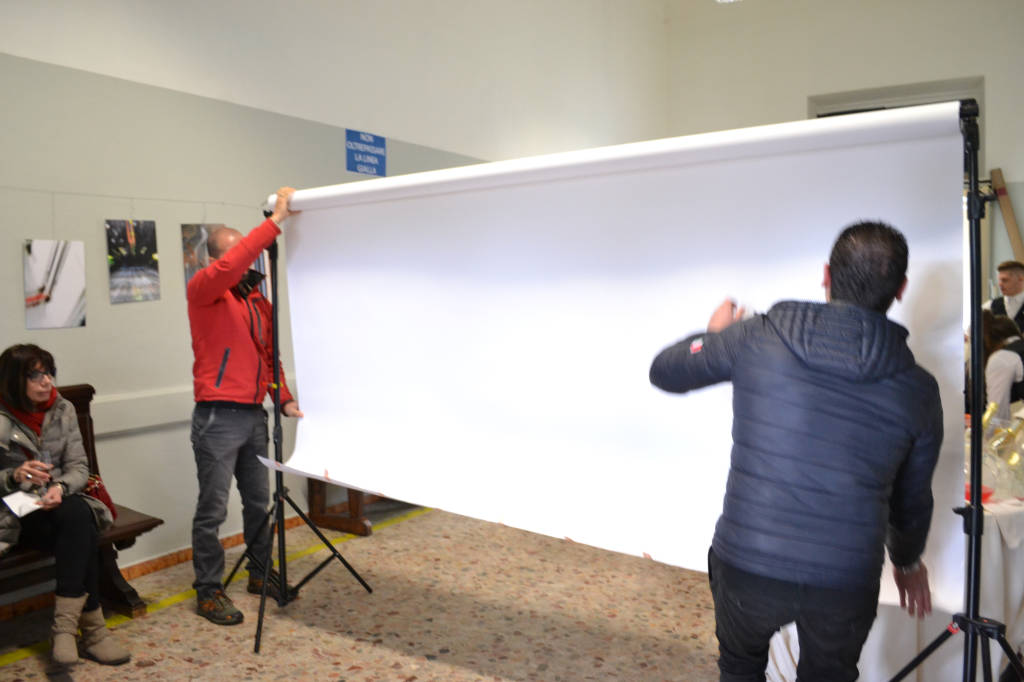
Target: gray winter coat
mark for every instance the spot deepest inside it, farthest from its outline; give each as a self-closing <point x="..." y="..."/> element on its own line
<point x="836" y="433"/>
<point x="62" y="439"/>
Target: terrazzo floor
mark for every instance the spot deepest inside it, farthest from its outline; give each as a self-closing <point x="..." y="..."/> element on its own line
<point x="454" y="599"/>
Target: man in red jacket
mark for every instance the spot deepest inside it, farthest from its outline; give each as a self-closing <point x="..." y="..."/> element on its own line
<point x="233" y="373"/>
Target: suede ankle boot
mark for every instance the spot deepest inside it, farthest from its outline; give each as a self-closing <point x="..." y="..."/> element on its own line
<point x="97" y="642"/>
<point x="66" y="613"/>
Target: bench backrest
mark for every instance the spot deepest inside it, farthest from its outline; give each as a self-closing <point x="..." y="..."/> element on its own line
<point x="80" y="395"/>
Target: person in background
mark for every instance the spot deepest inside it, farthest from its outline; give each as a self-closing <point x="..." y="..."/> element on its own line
<point x="836" y="433"/>
<point x="1011" y="285"/>
<point x="1004" y="362"/>
<point x="232" y="374"/>
<point x="41" y="451"/>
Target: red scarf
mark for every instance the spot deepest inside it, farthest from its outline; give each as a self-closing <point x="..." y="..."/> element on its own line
<point x="34" y="419"/>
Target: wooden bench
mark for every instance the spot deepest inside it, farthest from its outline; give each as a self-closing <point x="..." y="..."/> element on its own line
<point x="352" y="520"/>
<point x="28" y="567"/>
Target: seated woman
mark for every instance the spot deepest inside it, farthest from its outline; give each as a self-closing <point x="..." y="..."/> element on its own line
<point x="1004" y="362"/>
<point x="41" y="451"/>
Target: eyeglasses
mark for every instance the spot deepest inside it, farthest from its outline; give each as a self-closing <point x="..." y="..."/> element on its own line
<point x="37" y="375"/>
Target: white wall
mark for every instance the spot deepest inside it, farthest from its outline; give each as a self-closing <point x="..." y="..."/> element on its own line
<point x="495" y="79"/>
<point x="750" y="63"/>
<point x="490" y="79"/>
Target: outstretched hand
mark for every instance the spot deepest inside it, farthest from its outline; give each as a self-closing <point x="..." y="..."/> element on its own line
<point x="915" y="594"/>
<point x="725" y="314"/>
<point x="282" y="207"/>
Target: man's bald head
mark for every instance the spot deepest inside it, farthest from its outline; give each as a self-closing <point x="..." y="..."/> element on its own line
<point x="221" y="240"/>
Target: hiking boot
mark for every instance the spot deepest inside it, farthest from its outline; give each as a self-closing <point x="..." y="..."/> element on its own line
<point x="273" y="584"/>
<point x="217" y="608"/>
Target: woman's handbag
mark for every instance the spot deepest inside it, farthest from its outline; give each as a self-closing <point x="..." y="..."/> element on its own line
<point x="95" y="488"/>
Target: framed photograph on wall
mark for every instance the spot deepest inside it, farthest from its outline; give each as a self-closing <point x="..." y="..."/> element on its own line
<point x="54" y="277"/>
<point x="196" y="256"/>
<point x="133" y="261"/>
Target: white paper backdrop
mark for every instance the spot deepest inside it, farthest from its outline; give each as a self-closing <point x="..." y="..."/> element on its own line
<point x="478" y="339"/>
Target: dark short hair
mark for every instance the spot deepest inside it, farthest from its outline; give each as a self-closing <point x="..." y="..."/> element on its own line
<point x="15" y="364"/>
<point x="1011" y="265"/>
<point x="868" y="265"/>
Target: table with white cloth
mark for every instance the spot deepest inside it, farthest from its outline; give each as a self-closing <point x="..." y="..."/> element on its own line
<point x="896" y="638"/>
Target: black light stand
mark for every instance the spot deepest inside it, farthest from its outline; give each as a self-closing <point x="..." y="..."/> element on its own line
<point x="275" y="515"/>
<point x="970" y="623"/>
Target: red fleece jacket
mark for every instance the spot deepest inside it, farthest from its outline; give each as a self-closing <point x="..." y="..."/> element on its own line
<point x="231" y="335"/>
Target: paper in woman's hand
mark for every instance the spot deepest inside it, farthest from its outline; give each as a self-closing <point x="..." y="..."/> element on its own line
<point x="22" y="503"/>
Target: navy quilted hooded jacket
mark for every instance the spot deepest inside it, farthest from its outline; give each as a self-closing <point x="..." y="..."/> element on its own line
<point x="836" y="432"/>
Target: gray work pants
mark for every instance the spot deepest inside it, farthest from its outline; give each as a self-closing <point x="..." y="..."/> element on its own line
<point x="226" y="442"/>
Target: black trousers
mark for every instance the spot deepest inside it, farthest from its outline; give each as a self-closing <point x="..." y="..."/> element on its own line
<point x="832" y="624"/>
<point x="70" y="533"/>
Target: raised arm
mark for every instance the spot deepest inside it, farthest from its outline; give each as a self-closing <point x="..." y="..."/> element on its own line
<point x="701" y="359"/>
<point x="224" y="272"/>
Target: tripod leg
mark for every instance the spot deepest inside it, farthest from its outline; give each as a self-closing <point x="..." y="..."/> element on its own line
<point x="283" y="594"/>
<point x="266" y="575"/>
<point x="925" y="653"/>
<point x="312" y="574"/>
<point x="1014" y="663"/>
<point x="328" y="545"/>
<point x="970" y="655"/>
<point x="986" y="660"/>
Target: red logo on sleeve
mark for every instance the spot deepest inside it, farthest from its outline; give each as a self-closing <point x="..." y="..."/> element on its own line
<point x="696" y="346"/>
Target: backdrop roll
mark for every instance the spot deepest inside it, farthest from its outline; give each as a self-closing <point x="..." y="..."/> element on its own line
<point x="477" y="339"/>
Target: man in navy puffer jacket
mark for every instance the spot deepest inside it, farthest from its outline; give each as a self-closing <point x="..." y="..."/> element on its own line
<point x="836" y="432"/>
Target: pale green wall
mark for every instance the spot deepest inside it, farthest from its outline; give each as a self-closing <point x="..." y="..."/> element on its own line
<point x="753" y="63"/>
<point x="79" y="148"/>
<point x="493" y="79"/>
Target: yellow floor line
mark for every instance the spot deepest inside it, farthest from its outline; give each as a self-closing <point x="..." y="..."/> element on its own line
<point x="40" y="648"/>
<point x="37" y="649"/>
